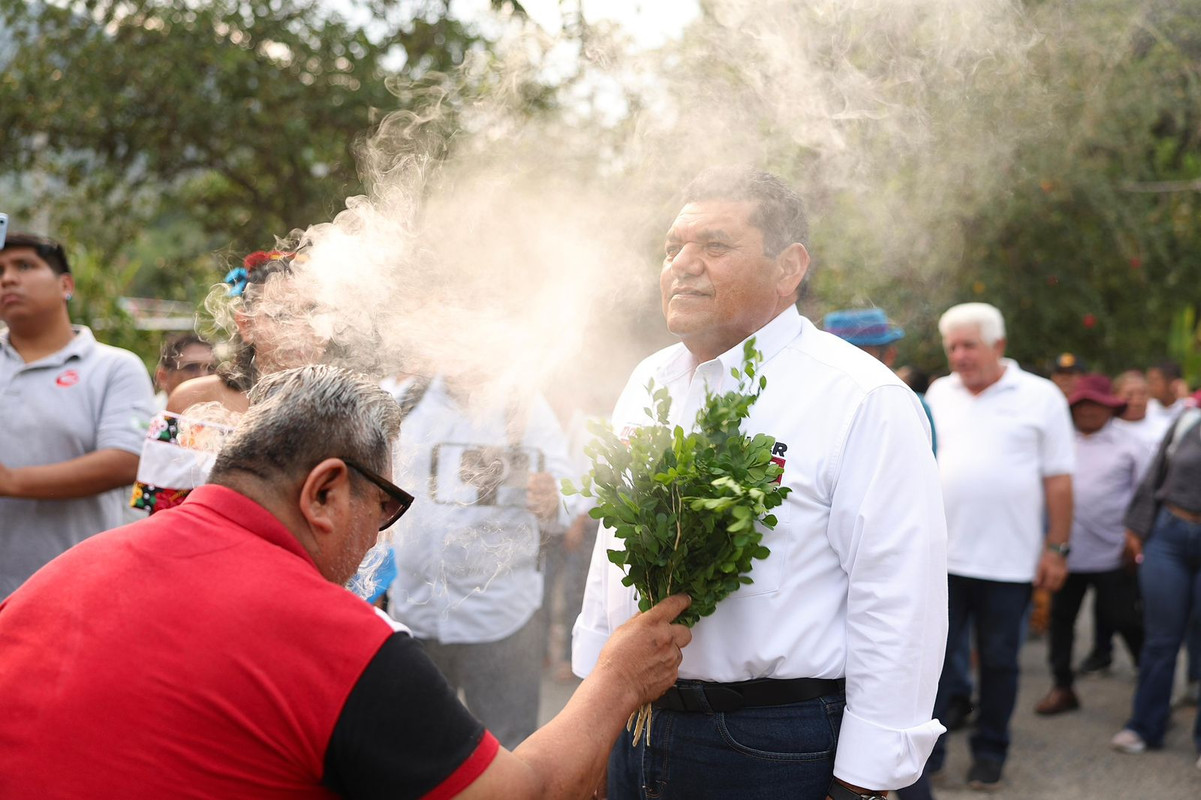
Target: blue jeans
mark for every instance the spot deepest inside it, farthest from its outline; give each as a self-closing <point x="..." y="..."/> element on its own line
<point x="766" y="753"/>
<point x="996" y="608"/>
<point x="1171" y="582"/>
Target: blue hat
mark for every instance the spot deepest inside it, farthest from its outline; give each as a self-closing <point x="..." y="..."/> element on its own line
<point x="863" y="327"/>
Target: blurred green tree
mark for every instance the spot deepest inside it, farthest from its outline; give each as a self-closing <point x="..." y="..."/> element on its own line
<point x="160" y="132"/>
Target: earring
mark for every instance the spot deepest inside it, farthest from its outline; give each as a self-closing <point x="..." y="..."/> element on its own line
<point x="68" y="296"/>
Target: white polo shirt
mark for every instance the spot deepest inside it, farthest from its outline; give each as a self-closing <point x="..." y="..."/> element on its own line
<point x="86" y="397"/>
<point x="994" y="449"/>
<point x="855" y="585"/>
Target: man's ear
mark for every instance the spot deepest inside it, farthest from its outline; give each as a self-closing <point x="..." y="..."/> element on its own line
<point x="67" y="281"/>
<point x="325" y="496"/>
<point x="793" y="263"/>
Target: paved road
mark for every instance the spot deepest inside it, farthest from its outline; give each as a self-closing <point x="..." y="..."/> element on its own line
<point x="1065" y="757"/>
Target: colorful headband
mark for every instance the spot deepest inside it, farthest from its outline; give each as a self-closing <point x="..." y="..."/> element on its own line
<point x="240" y="276"/>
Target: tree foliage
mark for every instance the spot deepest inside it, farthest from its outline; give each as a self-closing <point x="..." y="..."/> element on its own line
<point x="221" y="124"/>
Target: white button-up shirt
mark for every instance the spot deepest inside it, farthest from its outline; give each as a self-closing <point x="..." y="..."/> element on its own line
<point x="466" y="557"/>
<point x="994" y="449"/>
<point x="855" y="585"/>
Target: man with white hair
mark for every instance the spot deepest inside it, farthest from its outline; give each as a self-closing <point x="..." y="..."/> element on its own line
<point x="211" y="651"/>
<point x="1006" y="455"/>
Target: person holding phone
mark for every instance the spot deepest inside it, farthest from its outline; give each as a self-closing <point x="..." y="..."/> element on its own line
<point x="74" y="415"/>
<point x="470" y="581"/>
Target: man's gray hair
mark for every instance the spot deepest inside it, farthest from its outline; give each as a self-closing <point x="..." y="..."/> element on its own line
<point x="298" y="417"/>
<point x="981" y="316"/>
<point x="779" y="211"/>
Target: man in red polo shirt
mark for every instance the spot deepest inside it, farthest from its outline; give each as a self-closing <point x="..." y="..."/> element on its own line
<point x="211" y="651"/>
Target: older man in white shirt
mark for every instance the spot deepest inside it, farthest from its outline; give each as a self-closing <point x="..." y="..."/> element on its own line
<point x="853" y="594"/>
<point x="1006" y="454"/>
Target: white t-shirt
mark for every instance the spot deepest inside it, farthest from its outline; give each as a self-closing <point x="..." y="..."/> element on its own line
<point x="1149" y="431"/>
<point x="994" y="450"/>
<point x="855" y="585"/>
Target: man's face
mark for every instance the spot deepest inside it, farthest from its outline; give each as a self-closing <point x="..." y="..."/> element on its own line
<point x="977" y="364"/>
<point x="1090" y="417"/>
<point x="361" y="531"/>
<point x="29" y="287"/>
<point x="1133" y="389"/>
<point x="194" y="361"/>
<point x="717" y="285"/>
<point x="1159" y="387"/>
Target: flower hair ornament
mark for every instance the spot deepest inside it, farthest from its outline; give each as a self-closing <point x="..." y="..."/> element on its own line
<point x="240" y="276"/>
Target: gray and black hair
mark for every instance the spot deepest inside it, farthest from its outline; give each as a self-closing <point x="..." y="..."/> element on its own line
<point x="298" y="417"/>
<point x="779" y="211"/>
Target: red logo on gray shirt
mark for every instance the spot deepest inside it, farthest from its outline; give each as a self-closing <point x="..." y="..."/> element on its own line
<point x="68" y="378"/>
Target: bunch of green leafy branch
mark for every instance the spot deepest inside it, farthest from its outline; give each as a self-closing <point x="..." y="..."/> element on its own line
<point x="690" y="508"/>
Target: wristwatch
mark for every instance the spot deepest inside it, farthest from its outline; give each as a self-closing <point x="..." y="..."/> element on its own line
<point x="840" y="791"/>
<point x="1062" y="549"/>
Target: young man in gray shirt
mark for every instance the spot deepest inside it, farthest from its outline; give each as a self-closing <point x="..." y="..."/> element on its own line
<point x="74" y="415"/>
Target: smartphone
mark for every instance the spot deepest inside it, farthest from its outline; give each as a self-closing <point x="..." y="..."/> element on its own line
<point x="3" y="229"/>
<point x="482" y="475"/>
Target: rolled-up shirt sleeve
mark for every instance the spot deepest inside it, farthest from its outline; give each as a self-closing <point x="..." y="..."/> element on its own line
<point x="888" y="527"/>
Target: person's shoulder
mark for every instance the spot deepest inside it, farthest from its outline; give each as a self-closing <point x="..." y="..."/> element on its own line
<point x="205" y="389"/>
<point x="1031" y="381"/>
<point x="114" y="361"/>
<point x="830" y="359"/>
<point x="1037" y="388"/>
<point x="941" y="385"/>
<point x="655" y="363"/>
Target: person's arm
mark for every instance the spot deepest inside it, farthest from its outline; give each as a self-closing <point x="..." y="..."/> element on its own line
<point x="567" y="756"/>
<point x="1140" y="514"/>
<point x="126" y="406"/>
<point x="888" y="528"/>
<point x="542" y="491"/>
<point x="87" y="475"/>
<point x="1053" y="566"/>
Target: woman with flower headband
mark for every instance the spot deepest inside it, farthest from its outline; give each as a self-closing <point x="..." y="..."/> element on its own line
<point x="268" y="336"/>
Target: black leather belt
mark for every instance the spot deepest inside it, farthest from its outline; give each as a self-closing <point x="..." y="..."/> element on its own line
<point x="702" y="697"/>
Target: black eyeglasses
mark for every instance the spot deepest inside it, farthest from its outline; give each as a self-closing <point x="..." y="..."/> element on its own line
<point x="398" y="499"/>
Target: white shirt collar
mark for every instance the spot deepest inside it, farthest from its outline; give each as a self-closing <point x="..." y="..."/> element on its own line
<point x="769" y="340"/>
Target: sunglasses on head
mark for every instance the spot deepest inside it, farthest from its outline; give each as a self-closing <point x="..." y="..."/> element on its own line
<point x="398" y="501"/>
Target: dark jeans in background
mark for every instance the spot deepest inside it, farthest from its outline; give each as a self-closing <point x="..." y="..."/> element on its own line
<point x="995" y="609"/>
<point x="1117" y="599"/>
<point x="501" y="681"/>
<point x="1170" y="578"/>
<point x="767" y="753"/>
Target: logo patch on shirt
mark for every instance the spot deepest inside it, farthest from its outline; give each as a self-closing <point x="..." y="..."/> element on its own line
<point x="68" y="378"/>
<point x="777" y="458"/>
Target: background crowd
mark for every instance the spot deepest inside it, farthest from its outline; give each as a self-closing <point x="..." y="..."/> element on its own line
<point x="1052" y="486"/>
